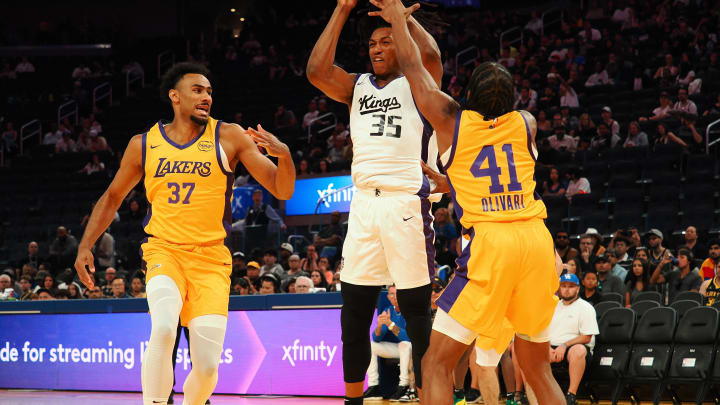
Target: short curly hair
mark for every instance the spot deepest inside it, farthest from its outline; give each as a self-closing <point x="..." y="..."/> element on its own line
<point x="173" y="75"/>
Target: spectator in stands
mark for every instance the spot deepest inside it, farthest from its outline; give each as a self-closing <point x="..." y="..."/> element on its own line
<point x="589" y="291"/>
<point x="261" y="214"/>
<point x="309" y="263"/>
<point x="25" y="288"/>
<point x="587" y="255"/>
<point x="331" y="235"/>
<point x="25" y="66"/>
<point x="641" y="252"/>
<point x="63" y="249"/>
<point x="597" y="240"/>
<point x="310" y="115"/>
<point x="303" y="285"/>
<point x="638" y="280"/>
<point x="45" y="295"/>
<point x="549" y="99"/>
<point x="691" y="243"/>
<point x="110" y="274"/>
<point x="95" y="293"/>
<point x="52" y="136"/>
<point x="74" y="291"/>
<point x="284" y="253"/>
<point x="49" y="283"/>
<point x="681" y="278"/>
<point x="33" y="256"/>
<point x="304" y="168"/>
<point x="709" y="265"/>
<point x="240" y="286"/>
<point x="665" y="137"/>
<point x="104" y="251"/>
<point x="571" y="121"/>
<point x="271" y="266"/>
<point x="318" y="279"/>
<point x="621" y="244"/>
<point x="666" y="74"/>
<point x="710" y="288"/>
<point x="561" y="141"/>
<point x="656" y="251"/>
<point x="9" y="138"/>
<point x="576" y="183"/>
<point x="568" y="96"/>
<point x="588" y="33"/>
<point x="612" y="125"/>
<point x="294" y="267"/>
<point x="389" y="341"/>
<point x="325" y="269"/>
<point x="636" y="137"/>
<point x="690" y="135"/>
<point x="339" y="132"/>
<point x="525" y="102"/>
<point x="562" y="245"/>
<point x="239" y="264"/>
<point x="137" y="287"/>
<point x="98" y="143"/>
<point x="684" y="104"/>
<point x="571" y="333"/>
<point x="118" y="288"/>
<point x="553" y="186"/>
<point x="5" y="282"/>
<point x="714" y="109"/>
<point x="663" y="111"/>
<point x="544" y="125"/>
<point x="608" y="282"/>
<point x="572" y="266"/>
<point x="268" y="284"/>
<point x="65" y="145"/>
<point x="82" y="71"/>
<point x="445" y="230"/>
<point x="599" y="78"/>
<point x="336" y="155"/>
<point x="284" y="119"/>
<point x="615" y="268"/>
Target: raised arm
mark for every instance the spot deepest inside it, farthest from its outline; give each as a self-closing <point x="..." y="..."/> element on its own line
<point x="130" y="172"/>
<point x="439" y="108"/>
<point x="321" y="71"/>
<point x="429" y="50"/>
<point x="278" y="180"/>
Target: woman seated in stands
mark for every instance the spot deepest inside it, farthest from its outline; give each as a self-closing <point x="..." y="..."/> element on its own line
<point x="544" y="126"/>
<point x="553" y="186"/>
<point x="665" y="137"/>
<point x="638" y="281"/>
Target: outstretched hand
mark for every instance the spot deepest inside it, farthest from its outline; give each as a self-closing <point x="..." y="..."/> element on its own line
<point x="390" y="9"/>
<point x="85" y="258"/>
<point x="268" y="141"/>
<point x="348" y="4"/>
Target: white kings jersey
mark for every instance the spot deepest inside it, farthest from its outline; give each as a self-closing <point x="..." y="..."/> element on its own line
<point x="390" y="137"/>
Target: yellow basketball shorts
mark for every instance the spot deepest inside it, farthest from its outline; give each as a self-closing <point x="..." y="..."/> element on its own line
<point x="507" y="270"/>
<point x="202" y="274"/>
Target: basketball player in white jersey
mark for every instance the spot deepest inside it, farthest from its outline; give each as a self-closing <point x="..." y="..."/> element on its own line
<point x="390" y="236"/>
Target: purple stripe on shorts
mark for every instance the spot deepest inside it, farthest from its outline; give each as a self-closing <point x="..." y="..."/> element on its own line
<point x="458" y="209"/>
<point x="424" y="191"/>
<point x="429" y="232"/>
<point x="453" y="290"/>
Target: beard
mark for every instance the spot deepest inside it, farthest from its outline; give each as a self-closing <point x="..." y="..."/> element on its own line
<point x="198" y="120"/>
<point x="568" y="298"/>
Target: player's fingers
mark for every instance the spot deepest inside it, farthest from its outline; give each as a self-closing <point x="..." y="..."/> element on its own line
<point x="414" y="7"/>
<point x="374" y="13"/>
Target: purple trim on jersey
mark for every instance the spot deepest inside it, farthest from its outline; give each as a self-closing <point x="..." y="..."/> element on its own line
<point x="144" y="148"/>
<point x="454" y="142"/>
<point x="170" y="141"/>
<point x="143" y="263"/>
<point x="529" y="138"/>
<point x="147" y="216"/>
<point x="217" y="150"/>
<point x="429" y="232"/>
<point x="227" y="216"/>
<point x="458" y="209"/>
<point x="458" y="283"/>
<point x="374" y="83"/>
<point x="424" y="191"/>
<point x="357" y="77"/>
<point x="426" y="134"/>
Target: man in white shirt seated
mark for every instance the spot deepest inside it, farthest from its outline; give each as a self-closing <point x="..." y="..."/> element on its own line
<point x="561" y="141"/>
<point x="576" y="183"/>
<point x="684" y="104"/>
<point x="571" y="333"/>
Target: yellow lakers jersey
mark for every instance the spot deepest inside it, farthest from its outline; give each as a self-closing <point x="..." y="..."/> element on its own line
<point x="712" y="293"/>
<point x="188" y="187"/>
<point x="491" y="170"/>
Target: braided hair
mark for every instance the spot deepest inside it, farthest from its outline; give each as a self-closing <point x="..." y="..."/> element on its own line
<point x="490" y="90"/>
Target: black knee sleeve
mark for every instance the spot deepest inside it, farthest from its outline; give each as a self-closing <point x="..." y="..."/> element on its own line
<point x="415" y="308"/>
<point x="356" y="315"/>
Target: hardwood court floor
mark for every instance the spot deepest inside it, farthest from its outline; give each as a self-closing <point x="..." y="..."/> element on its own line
<point x="17" y="397"/>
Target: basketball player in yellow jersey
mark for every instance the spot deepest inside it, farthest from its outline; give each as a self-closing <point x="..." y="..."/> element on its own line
<point x="507" y="270"/>
<point x="188" y="168"/>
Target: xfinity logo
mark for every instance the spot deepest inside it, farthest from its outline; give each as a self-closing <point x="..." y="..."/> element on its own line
<point x="330" y="195"/>
<point x="321" y="352"/>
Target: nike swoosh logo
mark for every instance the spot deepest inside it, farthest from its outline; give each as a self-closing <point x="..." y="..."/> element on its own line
<point x="153" y="147"/>
<point x="407" y="219"/>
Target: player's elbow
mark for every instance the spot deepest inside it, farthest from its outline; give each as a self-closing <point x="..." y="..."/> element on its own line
<point x="285" y="193"/>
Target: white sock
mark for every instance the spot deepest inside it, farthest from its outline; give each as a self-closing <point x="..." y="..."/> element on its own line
<point x="165" y="303"/>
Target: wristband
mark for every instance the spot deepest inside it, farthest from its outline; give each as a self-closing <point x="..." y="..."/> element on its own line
<point x="392" y="325"/>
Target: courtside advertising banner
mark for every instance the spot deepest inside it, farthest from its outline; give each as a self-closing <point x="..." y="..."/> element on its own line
<point x="284" y="352"/>
<point x="327" y="194"/>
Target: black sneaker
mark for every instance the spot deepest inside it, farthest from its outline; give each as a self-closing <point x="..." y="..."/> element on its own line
<point x="399" y="392"/>
<point x="373" y="393"/>
<point x="171" y="400"/>
<point x="522" y="398"/>
<point x="472" y="396"/>
<point x="571" y="399"/>
<point x="410" y="396"/>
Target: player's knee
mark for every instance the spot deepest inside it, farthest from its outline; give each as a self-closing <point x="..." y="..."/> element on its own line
<point x="163" y="333"/>
<point x="206" y="369"/>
